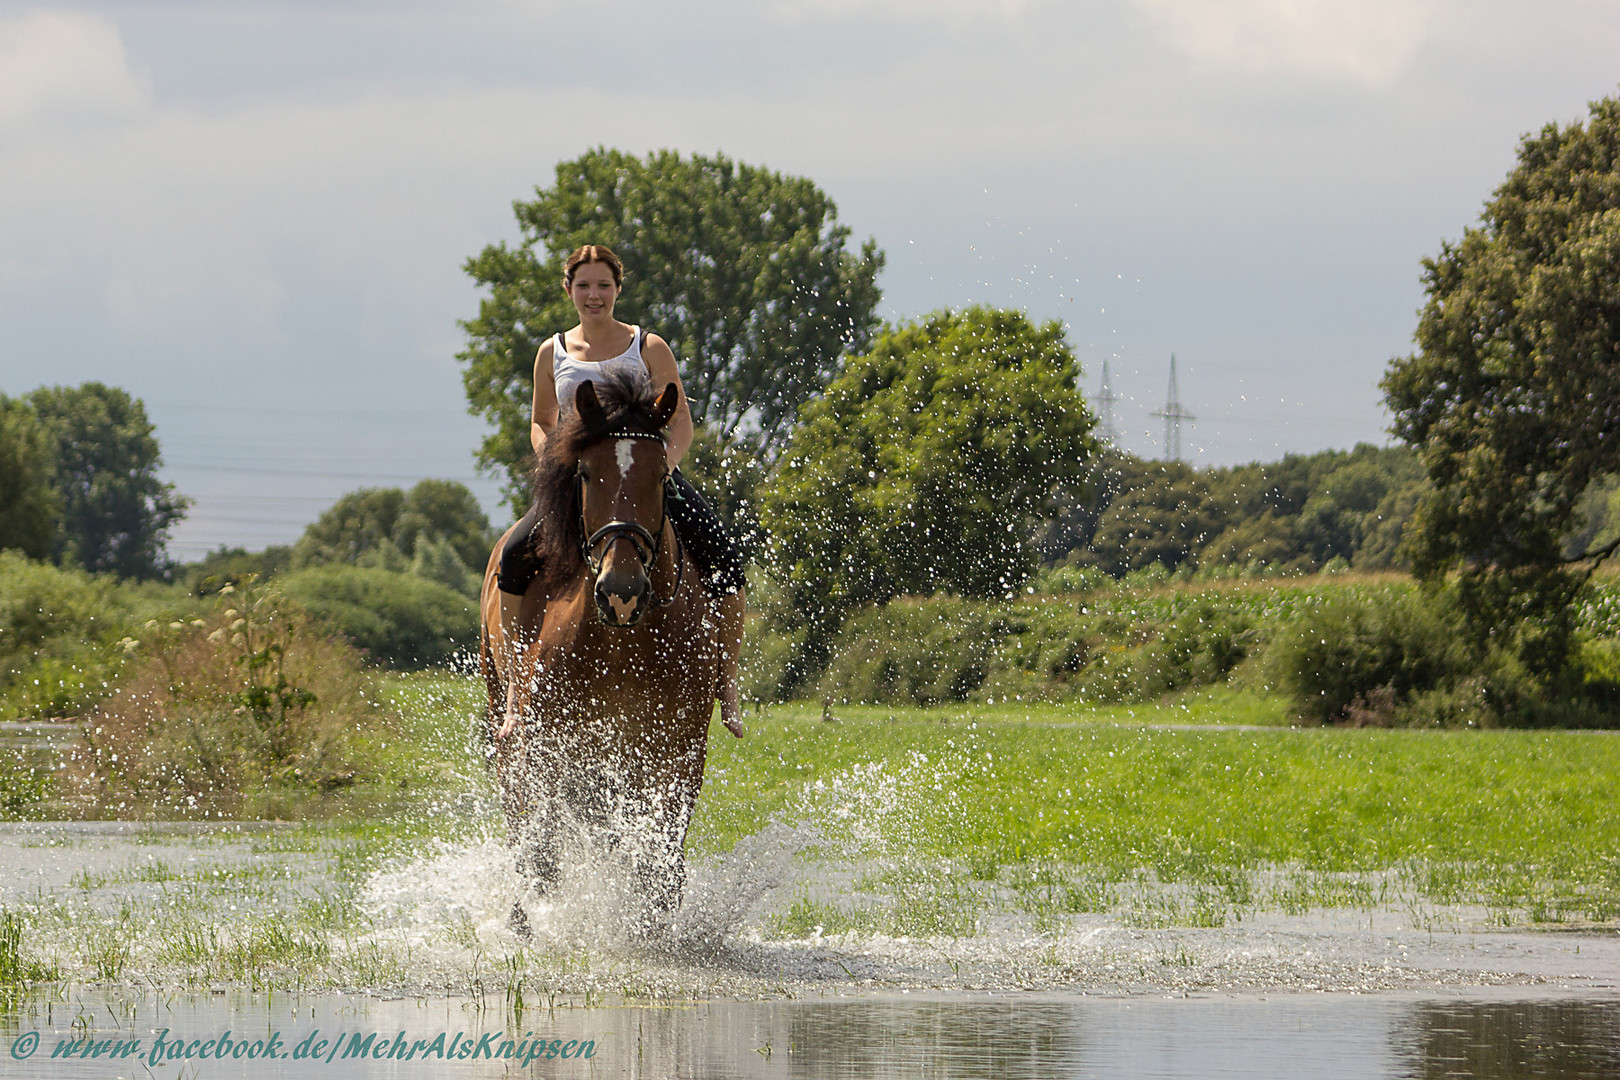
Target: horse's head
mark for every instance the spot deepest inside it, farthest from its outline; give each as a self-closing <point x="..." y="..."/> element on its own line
<point x="621" y="503"/>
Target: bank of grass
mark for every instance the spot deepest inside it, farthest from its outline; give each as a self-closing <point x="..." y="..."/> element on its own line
<point x="1522" y="823"/>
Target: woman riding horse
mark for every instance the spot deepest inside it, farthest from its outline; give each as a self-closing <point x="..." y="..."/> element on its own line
<point x="598" y="346"/>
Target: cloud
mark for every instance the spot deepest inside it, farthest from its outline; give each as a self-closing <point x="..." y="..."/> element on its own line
<point x="55" y="66"/>
<point x="913" y="8"/>
<point x="1368" y="41"/>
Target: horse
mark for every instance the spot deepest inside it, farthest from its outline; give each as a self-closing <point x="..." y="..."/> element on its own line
<point x="619" y="661"/>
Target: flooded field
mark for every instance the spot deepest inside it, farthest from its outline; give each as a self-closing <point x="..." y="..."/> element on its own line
<point x="857" y="932"/>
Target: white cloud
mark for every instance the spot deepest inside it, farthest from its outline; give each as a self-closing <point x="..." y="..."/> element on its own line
<point x="56" y="65"/>
<point x="1366" y="41"/>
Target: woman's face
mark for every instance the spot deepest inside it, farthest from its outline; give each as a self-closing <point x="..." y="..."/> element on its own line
<point x="593" y="291"/>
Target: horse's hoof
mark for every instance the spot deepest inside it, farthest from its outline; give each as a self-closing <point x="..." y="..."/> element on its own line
<point x="518" y="921"/>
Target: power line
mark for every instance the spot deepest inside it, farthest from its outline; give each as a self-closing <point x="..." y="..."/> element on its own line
<point x="311" y="473"/>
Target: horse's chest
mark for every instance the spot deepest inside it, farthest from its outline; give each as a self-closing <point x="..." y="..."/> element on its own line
<point x="645" y="673"/>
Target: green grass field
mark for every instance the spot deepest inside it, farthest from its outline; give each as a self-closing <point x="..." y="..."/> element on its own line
<point x="1204" y="787"/>
<point x="1523" y="823"/>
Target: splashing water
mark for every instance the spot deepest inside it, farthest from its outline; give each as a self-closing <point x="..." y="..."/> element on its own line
<point x="454" y="901"/>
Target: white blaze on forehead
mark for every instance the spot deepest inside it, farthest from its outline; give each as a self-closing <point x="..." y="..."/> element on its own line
<point x="622" y="450"/>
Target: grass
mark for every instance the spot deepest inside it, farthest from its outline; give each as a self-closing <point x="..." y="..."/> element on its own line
<point x="1509" y="819"/>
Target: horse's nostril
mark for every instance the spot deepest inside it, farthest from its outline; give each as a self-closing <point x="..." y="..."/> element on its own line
<point x="621" y="606"/>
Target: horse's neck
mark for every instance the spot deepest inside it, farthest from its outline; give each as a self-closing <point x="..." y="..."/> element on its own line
<point x="667" y="574"/>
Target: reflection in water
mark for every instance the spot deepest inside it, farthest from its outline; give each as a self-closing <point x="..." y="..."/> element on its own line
<point x="1006" y="1037"/>
<point x="990" y="1039"/>
<point x="1552" y="1040"/>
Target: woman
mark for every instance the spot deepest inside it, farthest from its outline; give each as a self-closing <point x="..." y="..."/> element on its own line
<point x="593" y="277"/>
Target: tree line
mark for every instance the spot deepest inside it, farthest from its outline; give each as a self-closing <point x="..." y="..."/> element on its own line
<point x="953" y="453"/>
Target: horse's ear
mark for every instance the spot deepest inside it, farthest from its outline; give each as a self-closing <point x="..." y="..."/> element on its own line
<point x="589" y="406"/>
<point x="664" y="407"/>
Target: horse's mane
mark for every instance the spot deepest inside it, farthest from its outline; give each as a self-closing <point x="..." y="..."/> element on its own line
<point x="627" y="406"/>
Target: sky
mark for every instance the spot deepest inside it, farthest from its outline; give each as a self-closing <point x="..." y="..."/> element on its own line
<point x="254" y="215"/>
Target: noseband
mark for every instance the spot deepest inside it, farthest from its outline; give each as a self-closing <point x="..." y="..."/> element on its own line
<point x="647" y="544"/>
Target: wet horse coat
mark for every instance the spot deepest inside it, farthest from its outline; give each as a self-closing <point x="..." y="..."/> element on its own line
<point x="620" y="659"/>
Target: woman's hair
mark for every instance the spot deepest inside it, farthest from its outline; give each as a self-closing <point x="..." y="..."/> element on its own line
<point x="593" y="253"/>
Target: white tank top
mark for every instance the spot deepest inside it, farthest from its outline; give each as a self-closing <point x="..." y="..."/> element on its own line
<point x="567" y="373"/>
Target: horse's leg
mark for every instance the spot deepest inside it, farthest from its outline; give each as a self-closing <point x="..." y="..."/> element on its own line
<point x="672" y="794"/>
<point x="530" y="799"/>
<point x="660" y="867"/>
<point x="729" y="615"/>
<point x="512" y="650"/>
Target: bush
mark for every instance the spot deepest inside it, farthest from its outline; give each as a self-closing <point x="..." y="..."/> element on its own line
<point x="917" y="651"/>
<point x="252" y="697"/>
<point x="61" y="632"/>
<point x="1201" y="646"/>
<point x="1071" y="580"/>
<point x="928" y="651"/>
<point x="233" y="565"/>
<point x="398" y="619"/>
<point x="767" y="661"/>
<point x="1379" y="656"/>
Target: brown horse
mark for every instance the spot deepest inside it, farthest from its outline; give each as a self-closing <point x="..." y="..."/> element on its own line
<point x="620" y="660"/>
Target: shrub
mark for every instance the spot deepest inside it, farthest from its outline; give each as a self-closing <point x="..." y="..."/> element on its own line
<point x="917" y="651"/>
<point x="398" y="619"/>
<point x="252" y="697"/>
<point x="231" y="565"/>
<point x="1377" y="656"/>
<point x="58" y="629"/>
<point x="1200" y="646"/>
<point x="767" y="658"/>
<point x="1071" y="580"/>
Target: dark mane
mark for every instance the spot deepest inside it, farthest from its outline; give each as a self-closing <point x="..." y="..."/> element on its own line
<point x="627" y="405"/>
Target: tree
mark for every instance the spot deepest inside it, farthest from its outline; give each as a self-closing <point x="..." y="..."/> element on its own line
<point x="743" y="270"/>
<point x="115" y="514"/>
<point x="928" y="465"/>
<point x="27" y="497"/>
<point x="358" y="523"/>
<point x="435" y="528"/>
<point x="1164" y="515"/>
<point x="1513" y="396"/>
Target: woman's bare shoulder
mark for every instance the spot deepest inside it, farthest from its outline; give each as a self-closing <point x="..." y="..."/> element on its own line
<point x="653" y="343"/>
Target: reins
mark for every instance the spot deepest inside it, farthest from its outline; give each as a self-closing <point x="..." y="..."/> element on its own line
<point x="647" y="545"/>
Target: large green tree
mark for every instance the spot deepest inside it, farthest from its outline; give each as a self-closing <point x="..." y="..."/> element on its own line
<point x="27" y="497"/>
<point x="114" y="512"/>
<point x="743" y="270"/>
<point x="1165" y="515"/>
<point x="1513" y="394"/>
<point x="436" y="529"/>
<point x="928" y="465"/>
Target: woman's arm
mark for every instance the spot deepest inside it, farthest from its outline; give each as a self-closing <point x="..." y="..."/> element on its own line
<point x="661" y="368"/>
<point x="543" y="416"/>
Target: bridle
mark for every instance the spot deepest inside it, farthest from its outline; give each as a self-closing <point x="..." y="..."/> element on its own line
<point x="648" y="545"/>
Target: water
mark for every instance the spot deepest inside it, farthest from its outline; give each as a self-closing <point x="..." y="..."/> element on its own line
<point x="990" y="1036"/>
<point x="288" y="935"/>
